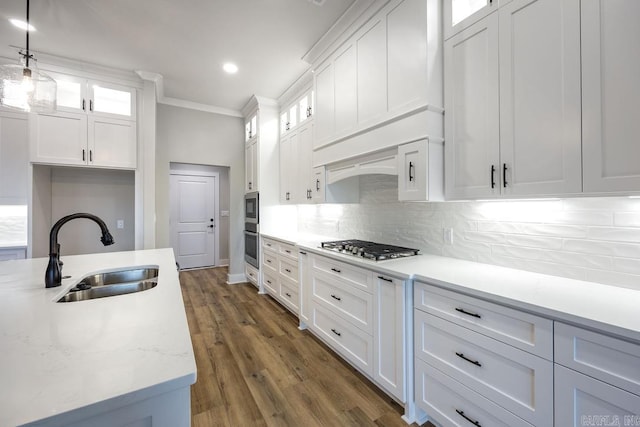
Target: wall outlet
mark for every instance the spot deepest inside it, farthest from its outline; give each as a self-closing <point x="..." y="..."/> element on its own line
<point x="448" y="236"/>
<point x="120" y="224"/>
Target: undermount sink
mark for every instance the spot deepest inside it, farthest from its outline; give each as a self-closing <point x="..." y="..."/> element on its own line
<point x="112" y="283"/>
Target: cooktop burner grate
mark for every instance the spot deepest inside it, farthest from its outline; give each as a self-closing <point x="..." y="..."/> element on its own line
<point x="369" y="250"/>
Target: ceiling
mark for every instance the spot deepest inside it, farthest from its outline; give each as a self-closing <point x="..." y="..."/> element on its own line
<point x="186" y="41"/>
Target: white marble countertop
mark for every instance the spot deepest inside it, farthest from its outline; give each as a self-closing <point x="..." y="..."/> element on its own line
<point x="606" y="308"/>
<point x="58" y="360"/>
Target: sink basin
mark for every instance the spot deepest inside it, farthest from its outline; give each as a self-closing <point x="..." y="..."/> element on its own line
<point x="112" y="283"/>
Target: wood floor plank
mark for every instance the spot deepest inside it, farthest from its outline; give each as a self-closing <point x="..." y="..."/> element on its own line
<point x="256" y="368"/>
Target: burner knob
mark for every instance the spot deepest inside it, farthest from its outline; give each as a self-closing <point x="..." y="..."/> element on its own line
<point x="361" y="252"/>
<point x="355" y="250"/>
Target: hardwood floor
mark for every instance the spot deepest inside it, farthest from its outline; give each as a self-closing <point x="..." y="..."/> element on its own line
<point x="256" y="368"/>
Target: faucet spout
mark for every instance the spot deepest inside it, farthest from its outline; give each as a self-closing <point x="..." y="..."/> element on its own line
<point x="53" y="275"/>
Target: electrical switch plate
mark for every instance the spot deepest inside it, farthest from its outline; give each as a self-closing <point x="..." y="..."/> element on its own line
<point x="224" y="213"/>
<point x="120" y="223"/>
<point x="448" y="236"/>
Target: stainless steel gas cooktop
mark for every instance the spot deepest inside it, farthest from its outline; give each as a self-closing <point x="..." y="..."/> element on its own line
<point x="369" y="250"/>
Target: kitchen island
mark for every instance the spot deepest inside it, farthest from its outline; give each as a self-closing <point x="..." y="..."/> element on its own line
<point x="121" y="360"/>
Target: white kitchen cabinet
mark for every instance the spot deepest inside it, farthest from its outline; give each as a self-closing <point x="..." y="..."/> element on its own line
<point x="252" y="274"/>
<point x="383" y="85"/>
<point x="420" y="171"/>
<point x="289" y="168"/>
<point x="306" y="177"/>
<point x="527" y="142"/>
<point x="610" y="95"/>
<point x="318" y="185"/>
<point x="472" y="104"/>
<point x="280" y="275"/>
<point x="251" y="128"/>
<point x="251" y="167"/>
<point x="460" y="14"/>
<point x="582" y="400"/>
<point x="305" y="288"/>
<point x="14" y="158"/>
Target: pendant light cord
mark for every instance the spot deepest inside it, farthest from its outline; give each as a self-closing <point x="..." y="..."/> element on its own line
<point x="27" y="56"/>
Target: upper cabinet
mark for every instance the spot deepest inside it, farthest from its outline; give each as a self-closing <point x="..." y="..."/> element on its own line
<point x="94" y="125"/>
<point x="610" y="95"/>
<point x="383" y="86"/>
<point x="251" y="128"/>
<point x="512" y="100"/>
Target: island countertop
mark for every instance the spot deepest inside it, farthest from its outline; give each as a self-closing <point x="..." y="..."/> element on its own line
<point x="69" y="361"/>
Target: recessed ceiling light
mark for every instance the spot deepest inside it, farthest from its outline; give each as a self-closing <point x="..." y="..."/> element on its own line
<point x="22" y="25"/>
<point x="230" y="68"/>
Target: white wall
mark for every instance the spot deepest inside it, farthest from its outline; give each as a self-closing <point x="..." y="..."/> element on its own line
<point x="592" y="239"/>
<point x="197" y="137"/>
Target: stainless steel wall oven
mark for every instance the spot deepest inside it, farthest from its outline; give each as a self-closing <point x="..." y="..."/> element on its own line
<point x="251" y="236"/>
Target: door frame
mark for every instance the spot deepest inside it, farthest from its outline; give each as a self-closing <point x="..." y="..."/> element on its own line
<point x="199" y="170"/>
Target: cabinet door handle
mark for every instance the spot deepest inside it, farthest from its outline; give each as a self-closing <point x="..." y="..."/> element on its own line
<point x="385" y="279"/>
<point x="468" y="313"/>
<point x="411" y="168"/>
<point x="269" y="281"/>
<point x="84" y="105"/>
<point x="91" y="105"/>
<point x="83" y="157"/>
<point x="461" y="413"/>
<point x="302" y="253"/>
<point x="91" y="155"/>
<point x="249" y="185"/>
<point x="287" y="251"/>
<point x="269" y="261"/>
<point x="288" y="294"/>
<point x="504" y="175"/>
<point x="336" y="270"/>
<point x="493" y="176"/>
<point x="336" y="332"/>
<point x="462" y="356"/>
<point x="287" y="270"/>
<point x="317" y="185"/>
<point x="336" y="297"/>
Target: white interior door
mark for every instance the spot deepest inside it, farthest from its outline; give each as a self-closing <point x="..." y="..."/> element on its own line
<point x="192" y="221"/>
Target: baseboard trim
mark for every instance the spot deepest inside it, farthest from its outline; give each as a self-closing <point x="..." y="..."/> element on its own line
<point x="232" y="279"/>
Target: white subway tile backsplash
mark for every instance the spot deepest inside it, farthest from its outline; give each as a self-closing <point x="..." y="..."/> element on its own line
<point x="594" y="239"/>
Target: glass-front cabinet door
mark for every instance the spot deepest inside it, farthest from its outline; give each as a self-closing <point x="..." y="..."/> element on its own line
<point x="111" y="100"/>
<point x="71" y="93"/>
<point x="460" y="14"/>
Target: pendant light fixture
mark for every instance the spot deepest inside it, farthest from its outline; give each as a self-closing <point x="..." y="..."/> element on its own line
<point x="24" y="87"/>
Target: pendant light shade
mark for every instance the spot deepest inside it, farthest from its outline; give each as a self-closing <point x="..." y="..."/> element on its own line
<point x="23" y="87"/>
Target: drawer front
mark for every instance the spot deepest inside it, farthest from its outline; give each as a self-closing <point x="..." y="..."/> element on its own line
<point x="448" y="402"/>
<point x="289" y="295"/>
<point x="522" y="330"/>
<point x="289" y="251"/>
<point x="357" y="277"/>
<point x="353" y="304"/>
<point x="514" y="379"/>
<point x="270" y="283"/>
<point x="352" y="343"/>
<point x="269" y="244"/>
<point x="289" y="269"/>
<point x="585" y="401"/>
<point x="270" y="261"/>
<point x="251" y="273"/>
<point x="609" y="359"/>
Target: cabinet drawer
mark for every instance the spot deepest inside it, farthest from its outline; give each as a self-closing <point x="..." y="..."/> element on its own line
<point x="270" y="283"/>
<point x="290" y="295"/>
<point x="448" y="402"/>
<point x="288" y="251"/>
<point x="358" y="277"/>
<point x="522" y="330"/>
<point x="270" y="244"/>
<point x="585" y="401"/>
<point x="270" y="261"/>
<point x="353" y="344"/>
<point x="289" y="269"/>
<point x="514" y="379"/>
<point x="353" y="304"/>
<point x="251" y="273"/>
<point x="609" y="359"/>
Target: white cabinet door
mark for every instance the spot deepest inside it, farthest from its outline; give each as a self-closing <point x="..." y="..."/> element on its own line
<point x="305" y="181"/>
<point x="251" y="167"/>
<point x="109" y="100"/>
<point x="305" y="287"/>
<point x="346" y="95"/>
<point x="412" y="171"/>
<point x="14" y="158"/>
<point x="540" y="141"/>
<point x="372" y="73"/>
<point x="289" y="168"/>
<point x="325" y="105"/>
<point x="318" y="187"/>
<point x="581" y="400"/>
<point x="59" y="138"/>
<point x="112" y="143"/>
<point x="472" y="106"/>
<point x="610" y="95"/>
<point x="460" y="14"/>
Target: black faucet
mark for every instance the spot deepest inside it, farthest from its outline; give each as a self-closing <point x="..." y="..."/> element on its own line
<point x="53" y="276"/>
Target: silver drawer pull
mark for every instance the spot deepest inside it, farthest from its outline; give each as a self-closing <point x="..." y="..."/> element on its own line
<point x="385" y="279"/>
<point x="269" y="261"/>
<point x="336" y="297"/>
<point x="336" y="332"/>
<point x="288" y="294"/>
<point x="468" y="313"/>
<point x="287" y="251"/>
<point x="336" y="270"/>
<point x="462" y="356"/>
<point x="472" y="421"/>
